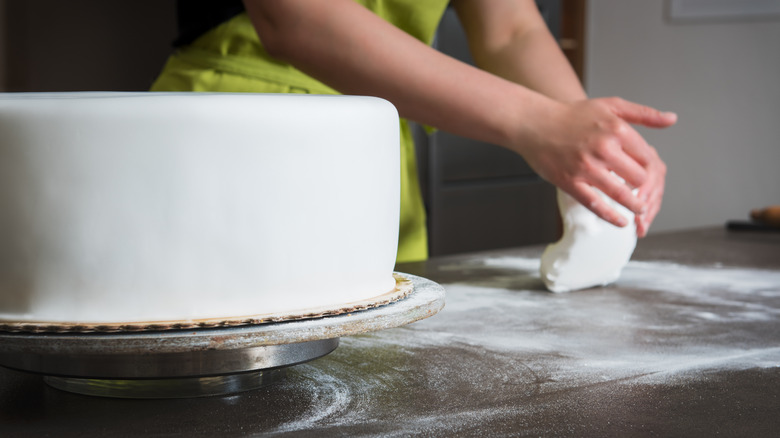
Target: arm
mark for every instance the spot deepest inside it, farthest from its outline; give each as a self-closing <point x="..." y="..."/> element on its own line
<point x="354" y="51"/>
<point x="511" y="40"/>
<point x="347" y="47"/>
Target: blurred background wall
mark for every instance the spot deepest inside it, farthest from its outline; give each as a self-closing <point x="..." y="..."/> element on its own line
<point x="722" y="76"/>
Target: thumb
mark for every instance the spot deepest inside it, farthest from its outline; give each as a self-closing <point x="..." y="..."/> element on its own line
<point x="637" y="114"/>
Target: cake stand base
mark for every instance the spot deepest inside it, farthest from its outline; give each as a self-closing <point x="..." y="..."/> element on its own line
<point x="200" y="362"/>
<point x="168" y="388"/>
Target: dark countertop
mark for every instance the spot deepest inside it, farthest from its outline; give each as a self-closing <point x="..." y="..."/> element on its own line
<point x="687" y="343"/>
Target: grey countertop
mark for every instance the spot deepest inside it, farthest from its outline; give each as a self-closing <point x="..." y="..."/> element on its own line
<point x="687" y="343"/>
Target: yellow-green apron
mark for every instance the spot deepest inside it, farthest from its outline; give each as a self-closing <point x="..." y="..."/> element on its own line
<point x="230" y="58"/>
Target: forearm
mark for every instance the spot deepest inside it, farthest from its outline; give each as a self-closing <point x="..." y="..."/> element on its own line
<point x="550" y="72"/>
<point x="354" y="51"/>
<point x="511" y="40"/>
<point x="582" y="146"/>
<point x="531" y="103"/>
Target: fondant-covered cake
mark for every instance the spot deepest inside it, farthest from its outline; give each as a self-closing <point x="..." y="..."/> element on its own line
<point x="143" y="207"/>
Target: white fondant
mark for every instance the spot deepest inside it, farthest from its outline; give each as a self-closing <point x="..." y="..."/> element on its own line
<point x="127" y="207"/>
<point x="591" y="252"/>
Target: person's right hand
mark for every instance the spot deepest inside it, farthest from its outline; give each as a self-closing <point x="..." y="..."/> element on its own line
<point x="590" y="144"/>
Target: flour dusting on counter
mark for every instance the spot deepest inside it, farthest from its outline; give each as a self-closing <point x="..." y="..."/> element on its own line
<point x="669" y="277"/>
<point x="667" y="324"/>
<point x="665" y="318"/>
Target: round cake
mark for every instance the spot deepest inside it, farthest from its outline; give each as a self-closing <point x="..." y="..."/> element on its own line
<point x="176" y="207"/>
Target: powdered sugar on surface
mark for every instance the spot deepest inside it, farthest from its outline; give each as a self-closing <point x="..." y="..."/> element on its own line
<point x="504" y="350"/>
<point x="659" y="318"/>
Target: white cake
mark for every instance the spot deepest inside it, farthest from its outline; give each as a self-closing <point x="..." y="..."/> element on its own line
<point x="143" y="207"/>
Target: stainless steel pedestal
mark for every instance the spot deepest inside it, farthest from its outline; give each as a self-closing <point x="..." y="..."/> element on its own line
<point x="198" y="362"/>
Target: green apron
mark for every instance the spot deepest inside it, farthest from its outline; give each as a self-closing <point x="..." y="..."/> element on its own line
<point x="230" y="58"/>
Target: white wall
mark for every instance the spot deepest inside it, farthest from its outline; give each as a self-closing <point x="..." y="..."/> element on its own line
<point x="722" y="78"/>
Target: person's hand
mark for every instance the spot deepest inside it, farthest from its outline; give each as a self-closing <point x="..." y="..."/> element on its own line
<point x="590" y="144"/>
<point x="651" y="193"/>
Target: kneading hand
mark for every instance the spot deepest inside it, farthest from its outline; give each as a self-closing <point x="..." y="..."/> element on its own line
<point x="527" y="98"/>
<point x="591" y="144"/>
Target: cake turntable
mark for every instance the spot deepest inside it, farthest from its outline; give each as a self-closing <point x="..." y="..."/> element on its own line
<point x="200" y="362"/>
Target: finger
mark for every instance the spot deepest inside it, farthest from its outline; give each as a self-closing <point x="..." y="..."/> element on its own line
<point x="642" y="115"/>
<point x="643" y="221"/>
<point x="641" y="229"/>
<point x="654" y="207"/>
<point x="653" y="188"/>
<point x="633" y="144"/>
<point x="629" y="140"/>
<point x="585" y="195"/>
<point x="626" y="166"/>
<point x="619" y="191"/>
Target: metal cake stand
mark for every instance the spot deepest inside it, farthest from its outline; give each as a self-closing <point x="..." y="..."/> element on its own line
<point x="200" y="362"/>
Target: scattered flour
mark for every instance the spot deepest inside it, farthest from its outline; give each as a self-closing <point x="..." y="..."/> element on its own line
<point x="668" y="318"/>
<point x="499" y="352"/>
